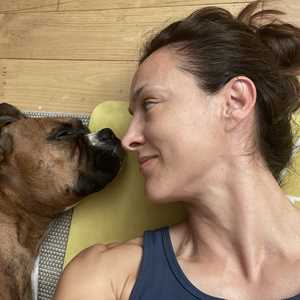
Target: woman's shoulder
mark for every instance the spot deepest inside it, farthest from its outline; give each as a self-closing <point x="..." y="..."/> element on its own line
<point x="108" y="270"/>
<point x="112" y="258"/>
<point x="122" y="256"/>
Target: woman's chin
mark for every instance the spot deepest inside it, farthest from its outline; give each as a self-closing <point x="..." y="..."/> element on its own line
<point x="157" y="196"/>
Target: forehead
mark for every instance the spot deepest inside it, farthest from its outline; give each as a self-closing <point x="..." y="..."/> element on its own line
<point x="159" y="68"/>
<point x="161" y="60"/>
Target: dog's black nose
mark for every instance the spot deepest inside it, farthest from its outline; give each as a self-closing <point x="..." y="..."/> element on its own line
<point x="106" y="134"/>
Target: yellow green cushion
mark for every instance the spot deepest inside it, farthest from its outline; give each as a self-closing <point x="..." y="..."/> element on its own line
<point x="121" y="211"/>
<point x="291" y="178"/>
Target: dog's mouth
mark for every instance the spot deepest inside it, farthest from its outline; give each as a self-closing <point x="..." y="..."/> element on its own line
<point x="105" y="156"/>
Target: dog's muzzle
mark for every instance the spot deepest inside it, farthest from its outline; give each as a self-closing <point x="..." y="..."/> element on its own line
<point x="106" y="141"/>
<point x="105" y="157"/>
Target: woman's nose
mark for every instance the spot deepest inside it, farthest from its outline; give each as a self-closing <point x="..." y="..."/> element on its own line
<point x="132" y="139"/>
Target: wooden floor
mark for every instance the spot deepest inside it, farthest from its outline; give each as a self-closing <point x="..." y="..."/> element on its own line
<point x="70" y="55"/>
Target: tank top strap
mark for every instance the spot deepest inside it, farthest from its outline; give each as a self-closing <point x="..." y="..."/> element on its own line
<point x="152" y="248"/>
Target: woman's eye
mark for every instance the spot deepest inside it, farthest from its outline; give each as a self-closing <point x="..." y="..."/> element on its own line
<point x="148" y="104"/>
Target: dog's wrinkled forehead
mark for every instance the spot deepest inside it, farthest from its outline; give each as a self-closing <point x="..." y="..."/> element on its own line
<point x="66" y="129"/>
<point x="19" y="132"/>
<point x="49" y="128"/>
<point x="10" y="114"/>
<point x="45" y="128"/>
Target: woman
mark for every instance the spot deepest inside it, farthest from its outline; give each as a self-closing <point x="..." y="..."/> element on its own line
<point x="211" y="102"/>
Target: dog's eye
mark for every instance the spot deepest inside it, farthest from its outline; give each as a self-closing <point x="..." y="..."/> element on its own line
<point x="62" y="134"/>
<point x="65" y="133"/>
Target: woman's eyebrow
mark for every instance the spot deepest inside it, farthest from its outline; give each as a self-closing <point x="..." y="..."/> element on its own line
<point x="135" y="95"/>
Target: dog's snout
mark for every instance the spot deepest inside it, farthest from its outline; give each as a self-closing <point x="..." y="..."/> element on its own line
<point x="105" y="134"/>
<point x="105" y="139"/>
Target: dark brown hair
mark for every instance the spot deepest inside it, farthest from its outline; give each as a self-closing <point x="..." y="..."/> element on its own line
<point x="215" y="47"/>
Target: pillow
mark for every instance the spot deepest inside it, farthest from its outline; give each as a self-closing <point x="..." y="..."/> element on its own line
<point x="291" y="175"/>
<point x="120" y="211"/>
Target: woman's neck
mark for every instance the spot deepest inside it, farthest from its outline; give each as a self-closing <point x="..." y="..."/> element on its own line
<point x="241" y="219"/>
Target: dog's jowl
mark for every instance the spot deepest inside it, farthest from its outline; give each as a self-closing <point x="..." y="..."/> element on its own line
<point x="46" y="165"/>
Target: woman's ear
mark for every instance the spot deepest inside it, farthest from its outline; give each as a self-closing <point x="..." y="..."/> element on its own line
<point x="239" y="101"/>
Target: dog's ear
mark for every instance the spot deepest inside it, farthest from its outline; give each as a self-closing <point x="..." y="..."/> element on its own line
<point x="6" y="145"/>
<point x="9" y="114"/>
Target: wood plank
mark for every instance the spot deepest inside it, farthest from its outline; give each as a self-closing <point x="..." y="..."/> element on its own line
<point x="98" y="35"/>
<point x="64" y="86"/>
<point x="121" y="4"/>
<point x="15" y="6"/>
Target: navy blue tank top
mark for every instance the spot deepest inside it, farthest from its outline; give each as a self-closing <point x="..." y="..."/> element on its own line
<point x="160" y="276"/>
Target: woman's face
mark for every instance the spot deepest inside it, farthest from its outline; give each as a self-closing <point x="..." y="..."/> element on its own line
<point x="175" y="131"/>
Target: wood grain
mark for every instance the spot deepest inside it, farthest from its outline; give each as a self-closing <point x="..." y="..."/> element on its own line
<point x="17" y="6"/>
<point x="66" y="86"/>
<point x="72" y="60"/>
<point x="121" y="4"/>
<point x="97" y="35"/>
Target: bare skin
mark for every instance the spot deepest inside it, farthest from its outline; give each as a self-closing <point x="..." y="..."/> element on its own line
<point x="241" y="239"/>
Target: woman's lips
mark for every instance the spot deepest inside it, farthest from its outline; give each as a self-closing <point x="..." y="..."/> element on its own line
<point x="145" y="161"/>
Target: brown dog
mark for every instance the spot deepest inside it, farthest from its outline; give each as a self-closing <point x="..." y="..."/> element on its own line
<point x="46" y="165"/>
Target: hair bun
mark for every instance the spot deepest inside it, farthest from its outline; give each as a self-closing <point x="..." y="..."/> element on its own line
<point x="284" y="42"/>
